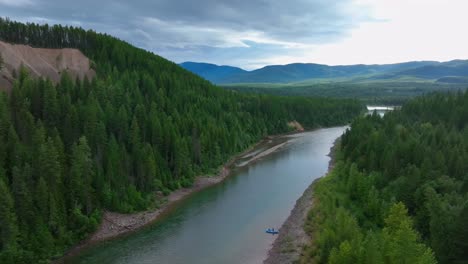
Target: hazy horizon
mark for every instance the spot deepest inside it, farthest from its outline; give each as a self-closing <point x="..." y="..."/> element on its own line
<point x="298" y="62"/>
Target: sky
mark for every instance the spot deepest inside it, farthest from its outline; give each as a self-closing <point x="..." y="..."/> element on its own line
<point x="254" y="33"/>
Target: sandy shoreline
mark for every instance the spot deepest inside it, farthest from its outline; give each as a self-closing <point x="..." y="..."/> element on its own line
<point x="287" y="247"/>
<point x="114" y="225"/>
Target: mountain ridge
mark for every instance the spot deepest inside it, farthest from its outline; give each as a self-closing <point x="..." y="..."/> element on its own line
<point x="296" y="72"/>
<point x="210" y="71"/>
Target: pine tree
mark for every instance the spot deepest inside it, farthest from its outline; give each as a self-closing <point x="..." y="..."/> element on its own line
<point x="42" y="200"/>
<point x="401" y="243"/>
<point x="51" y="108"/>
<point x="81" y="173"/>
<point x="8" y="221"/>
<point x="22" y="197"/>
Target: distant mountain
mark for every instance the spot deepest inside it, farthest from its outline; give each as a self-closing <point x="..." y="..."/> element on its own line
<point x="451" y="68"/>
<point x="298" y="72"/>
<point x="453" y="80"/>
<point x="212" y="72"/>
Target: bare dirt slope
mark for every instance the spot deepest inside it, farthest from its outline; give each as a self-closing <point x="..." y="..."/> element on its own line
<point x="296" y="126"/>
<point x="49" y="63"/>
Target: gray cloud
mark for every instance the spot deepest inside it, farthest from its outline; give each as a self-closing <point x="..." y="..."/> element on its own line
<point x="218" y="31"/>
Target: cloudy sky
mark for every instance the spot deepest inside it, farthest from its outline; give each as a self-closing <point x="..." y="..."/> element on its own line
<point x="254" y="33"/>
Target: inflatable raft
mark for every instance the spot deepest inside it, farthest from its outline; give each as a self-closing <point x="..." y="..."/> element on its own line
<point x="272" y="231"/>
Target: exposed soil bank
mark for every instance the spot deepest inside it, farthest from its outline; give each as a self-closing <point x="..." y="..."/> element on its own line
<point x="48" y="63"/>
<point x="292" y="237"/>
<point x="116" y="224"/>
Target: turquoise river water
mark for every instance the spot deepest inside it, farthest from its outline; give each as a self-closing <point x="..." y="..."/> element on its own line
<point x="226" y="223"/>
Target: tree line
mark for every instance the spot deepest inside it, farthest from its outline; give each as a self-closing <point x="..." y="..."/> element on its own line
<point x="390" y="92"/>
<point x="399" y="192"/>
<point x="142" y="126"/>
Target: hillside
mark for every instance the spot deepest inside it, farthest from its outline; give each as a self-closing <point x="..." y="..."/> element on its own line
<point x="140" y="129"/>
<point x="49" y="63"/>
<point x="302" y="72"/>
<point x="398" y="192"/>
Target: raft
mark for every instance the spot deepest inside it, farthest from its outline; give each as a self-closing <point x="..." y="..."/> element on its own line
<point x="272" y="231"/>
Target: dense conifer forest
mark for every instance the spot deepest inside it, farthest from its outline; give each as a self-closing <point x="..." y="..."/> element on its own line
<point x="399" y="191"/>
<point x="143" y="125"/>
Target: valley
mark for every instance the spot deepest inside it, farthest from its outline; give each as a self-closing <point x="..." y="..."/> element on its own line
<point x="377" y="84"/>
<point x="319" y="132"/>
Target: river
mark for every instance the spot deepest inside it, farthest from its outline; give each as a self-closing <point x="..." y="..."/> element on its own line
<point x="225" y="223"/>
<point x="381" y="109"/>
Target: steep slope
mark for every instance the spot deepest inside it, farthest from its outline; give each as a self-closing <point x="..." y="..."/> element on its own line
<point x="49" y="63"/>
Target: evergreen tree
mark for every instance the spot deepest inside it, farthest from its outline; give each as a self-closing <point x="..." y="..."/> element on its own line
<point x="8" y="224"/>
<point x="401" y="241"/>
<point x="81" y="173"/>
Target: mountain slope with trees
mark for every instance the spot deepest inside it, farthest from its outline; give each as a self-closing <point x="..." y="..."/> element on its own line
<point x="399" y="192"/>
<point x="301" y="72"/>
<point x="212" y="72"/>
<point x="143" y="125"/>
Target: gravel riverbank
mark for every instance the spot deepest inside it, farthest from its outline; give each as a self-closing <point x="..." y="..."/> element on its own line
<point x="117" y="224"/>
<point x="287" y="247"/>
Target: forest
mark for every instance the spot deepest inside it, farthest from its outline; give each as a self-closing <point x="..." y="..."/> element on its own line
<point x="143" y="126"/>
<point x="399" y="189"/>
<point x="387" y="92"/>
